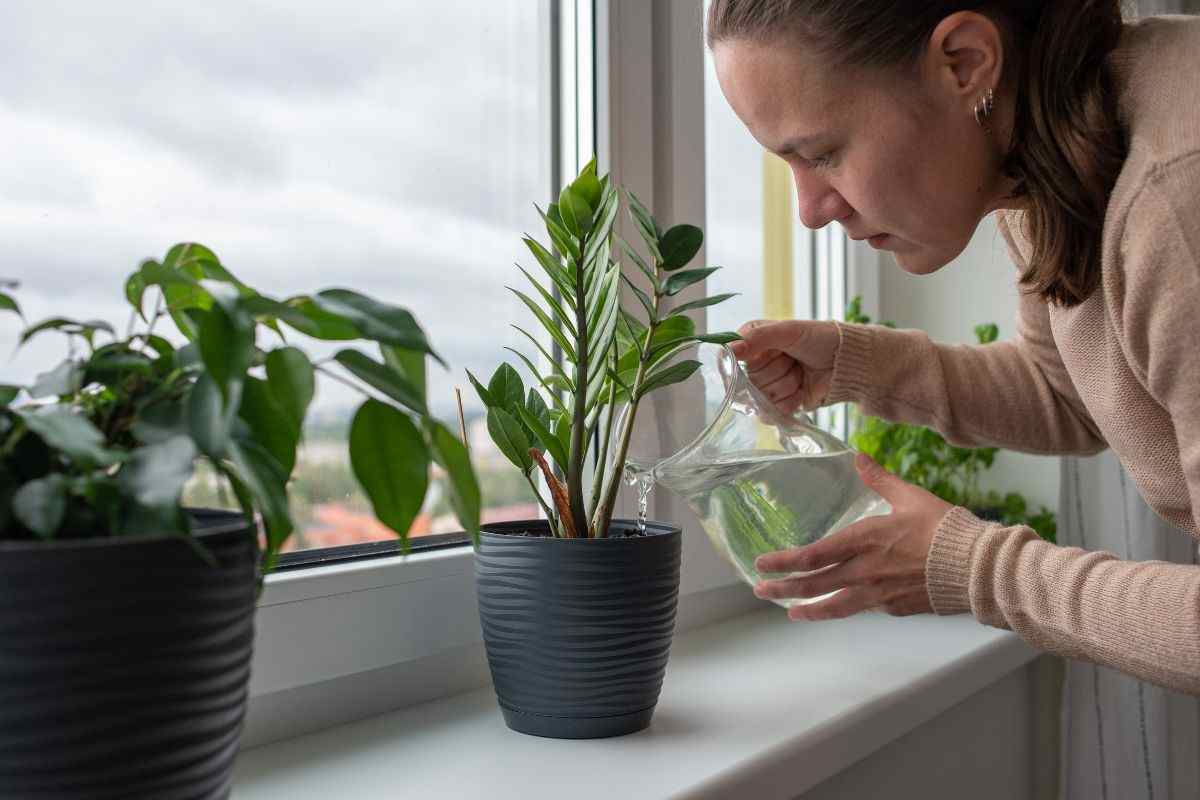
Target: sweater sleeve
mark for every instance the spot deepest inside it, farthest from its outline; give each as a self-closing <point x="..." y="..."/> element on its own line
<point x="1014" y="394"/>
<point x="1142" y="618"/>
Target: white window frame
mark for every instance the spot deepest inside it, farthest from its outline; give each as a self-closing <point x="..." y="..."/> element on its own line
<point x="344" y="641"/>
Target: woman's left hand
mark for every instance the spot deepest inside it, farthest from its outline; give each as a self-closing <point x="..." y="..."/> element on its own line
<point x="875" y="562"/>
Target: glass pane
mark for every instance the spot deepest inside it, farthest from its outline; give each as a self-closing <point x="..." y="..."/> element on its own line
<point x="393" y="148"/>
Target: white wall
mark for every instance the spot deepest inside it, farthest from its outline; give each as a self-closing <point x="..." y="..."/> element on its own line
<point x="979" y="286"/>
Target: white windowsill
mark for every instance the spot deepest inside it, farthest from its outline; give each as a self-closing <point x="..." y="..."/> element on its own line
<point x="752" y="706"/>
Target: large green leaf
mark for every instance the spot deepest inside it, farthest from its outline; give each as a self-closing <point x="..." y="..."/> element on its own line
<point x="305" y="316"/>
<point x="270" y="422"/>
<point x="155" y="474"/>
<point x="484" y="395"/>
<point x="41" y="504"/>
<point x="8" y="393"/>
<point x="668" y="375"/>
<point x="576" y="215"/>
<point x="290" y="374"/>
<point x="71" y="433"/>
<point x="461" y="483"/>
<point x="679" y="245"/>
<point x="510" y="437"/>
<point x="587" y="186"/>
<point x="263" y="478"/>
<point x="66" y="378"/>
<point x="208" y="420"/>
<point x="391" y="462"/>
<point x="383" y="378"/>
<point x="681" y="280"/>
<point x="506" y="388"/>
<point x="410" y="364"/>
<point x="703" y="302"/>
<point x="377" y="321"/>
<point x="225" y="342"/>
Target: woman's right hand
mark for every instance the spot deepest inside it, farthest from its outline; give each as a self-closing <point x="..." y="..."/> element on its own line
<point x="790" y="361"/>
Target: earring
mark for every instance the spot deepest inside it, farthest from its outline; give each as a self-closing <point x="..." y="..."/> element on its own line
<point x="983" y="109"/>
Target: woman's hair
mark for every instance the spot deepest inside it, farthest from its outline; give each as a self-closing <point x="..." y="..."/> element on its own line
<point x="1067" y="147"/>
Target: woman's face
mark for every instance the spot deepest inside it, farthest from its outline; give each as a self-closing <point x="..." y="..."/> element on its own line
<point x="896" y="157"/>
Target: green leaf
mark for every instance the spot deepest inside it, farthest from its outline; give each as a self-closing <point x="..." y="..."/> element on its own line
<point x="225" y="341"/>
<point x="545" y="382"/>
<point x="547" y="323"/>
<point x="703" y="302"/>
<point x="506" y="388"/>
<point x="111" y="363"/>
<point x="681" y="280"/>
<point x="679" y="245"/>
<point x="719" y="338"/>
<point x="461" y="483"/>
<point x="554" y="305"/>
<point x="672" y="330"/>
<point x="68" y="326"/>
<point x="305" y="316"/>
<point x="646" y="225"/>
<point x="410" y="364"/>
<point x="264" y="478"/>
<point x="8" y="393"/>
<point x="7" y="303"/>
<point x="75" y="436"/>
<point x="547" y="439"/>
<point x="383" y="378"/>
<point x="552" y="267"/>
<point x="208" y="420"/>
<point x="987" y="333"/>
<point x="377" y="321"/>
<point x="643" y="298"/>
<point x="155" y="474"/>
<point x="41" y="504"/>
<point x="391" y="462"/>
<point x="270" y="422"/>
<point x="484" y="395"/>
<point x="65" y="379"/>
<point x="510" y="437"/>
<point x="641" y="264"/>
<point x="135" y="289"/>
<point x="537" y="406"/>
<point x="602" y="232"/>
<point x="576" y="215"/>
<point x="549" y="360"/>
<point x="290" y="374"/>
<point x="587" y="185"/>
<point x="563" y="241"/>
<point x="668" y="375"/>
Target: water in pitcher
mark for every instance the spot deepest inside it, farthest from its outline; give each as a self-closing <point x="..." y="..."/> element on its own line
<point x="760" y="502"/>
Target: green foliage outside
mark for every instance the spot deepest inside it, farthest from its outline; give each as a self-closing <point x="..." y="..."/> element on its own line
<point x="921" y="456"/>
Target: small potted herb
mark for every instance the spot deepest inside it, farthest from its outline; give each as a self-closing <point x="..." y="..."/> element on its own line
<point x="126" y="620"/>
<point x="578" y="609"/>
<point x="923" y="457"/>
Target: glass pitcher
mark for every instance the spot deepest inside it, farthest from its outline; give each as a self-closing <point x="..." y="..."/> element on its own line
<point x="758" y="479"/>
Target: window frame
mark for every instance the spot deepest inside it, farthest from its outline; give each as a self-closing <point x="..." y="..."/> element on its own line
<point x="335" y="636"/>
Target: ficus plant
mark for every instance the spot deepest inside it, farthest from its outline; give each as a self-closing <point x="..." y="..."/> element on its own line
<point x="611" y="356"/>
<point x="103" y="443"/>
<point x="922" y="456"/>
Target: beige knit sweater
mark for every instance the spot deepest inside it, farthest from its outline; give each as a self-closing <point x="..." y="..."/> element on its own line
<point x="1120" y="370"/>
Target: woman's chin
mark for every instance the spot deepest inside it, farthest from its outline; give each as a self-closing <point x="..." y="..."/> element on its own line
<point x="919" y="261"/>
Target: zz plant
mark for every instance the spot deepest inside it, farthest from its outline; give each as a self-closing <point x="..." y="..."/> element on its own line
<point x="103" y="443"/>
<point x="610" y="355"/>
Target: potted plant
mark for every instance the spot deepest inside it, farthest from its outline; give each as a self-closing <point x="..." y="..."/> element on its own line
<point x="126" y="620"/>
<point x="922" y="456"/>
<point x="578" y="609"/>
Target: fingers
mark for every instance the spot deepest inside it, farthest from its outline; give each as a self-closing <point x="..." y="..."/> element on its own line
<point x="852" y="572"/>
<point x="770" y="369"/>
<point x="834" y="548"/>
<point x="762" y="335"/>
<point x="899" y="601"/>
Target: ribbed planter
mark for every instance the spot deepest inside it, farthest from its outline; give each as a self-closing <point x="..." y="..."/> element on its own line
<point x="125" y="663"/>
<point x="577" y="631"/>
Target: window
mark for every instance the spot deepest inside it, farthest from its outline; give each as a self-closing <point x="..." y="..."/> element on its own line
<point x="396" y="148"/>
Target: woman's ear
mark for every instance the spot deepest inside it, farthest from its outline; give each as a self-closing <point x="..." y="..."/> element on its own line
<point x="965" y="55"/>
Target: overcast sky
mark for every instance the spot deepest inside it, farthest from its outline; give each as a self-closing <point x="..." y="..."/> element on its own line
<point x="395" y="148"/>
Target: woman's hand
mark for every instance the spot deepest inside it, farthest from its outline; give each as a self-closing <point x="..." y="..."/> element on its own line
<point x="790" y="361"/>
<point x="877" y="561"/>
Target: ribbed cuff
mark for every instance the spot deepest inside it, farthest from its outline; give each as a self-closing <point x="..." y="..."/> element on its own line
<point x="948" y="567"/>
<point x="851" y="372"/>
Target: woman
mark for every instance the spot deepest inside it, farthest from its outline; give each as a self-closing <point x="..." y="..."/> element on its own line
<point x="907" y="123"/>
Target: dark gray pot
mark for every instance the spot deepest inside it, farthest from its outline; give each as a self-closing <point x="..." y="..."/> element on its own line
<point x="124" y="663"/>
<point x="577" y="631"/>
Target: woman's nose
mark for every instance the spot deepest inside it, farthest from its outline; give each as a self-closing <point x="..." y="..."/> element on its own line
<point x="818" y="202"/>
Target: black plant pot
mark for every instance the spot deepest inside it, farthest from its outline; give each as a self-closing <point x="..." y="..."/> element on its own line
<point x="125" y="663"/>
<point x="577" y="631"/>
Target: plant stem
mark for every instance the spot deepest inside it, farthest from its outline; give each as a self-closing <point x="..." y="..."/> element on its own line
<point x="344" y="381"/>
<point x="579" y="420"/>
<point x="541" y="502"/>
<point x="613" y="479"/>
